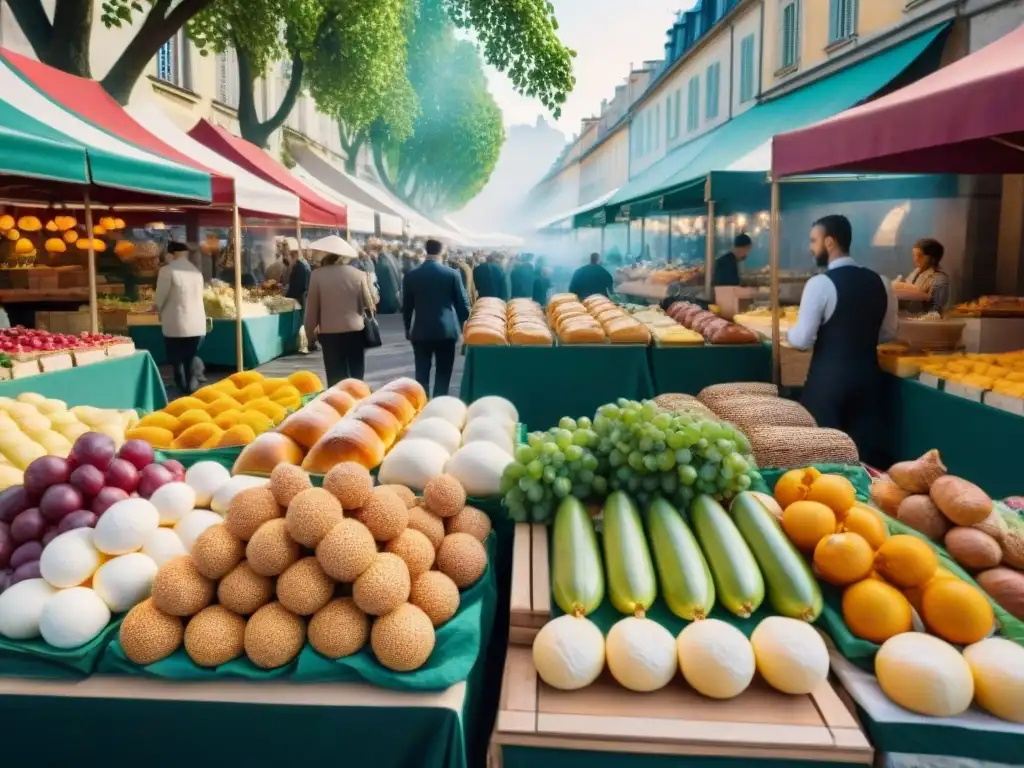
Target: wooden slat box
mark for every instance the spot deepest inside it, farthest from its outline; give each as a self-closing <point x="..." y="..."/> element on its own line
<point x="530" y="607"/>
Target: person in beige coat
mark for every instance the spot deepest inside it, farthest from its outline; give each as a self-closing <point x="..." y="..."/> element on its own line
<point x="179" y="302"/>
<point x="339" y="296"/>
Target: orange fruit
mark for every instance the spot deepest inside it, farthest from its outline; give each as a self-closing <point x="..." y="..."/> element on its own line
<point x="956" y="611"/>
<point x="906" y="561"/>
<point x="835" y="492"/>
<point x="843" y="558"/>
<point x="876" y="611"/>
<point x="795" y="485"/>
<point x="808" y="522"/>
<point x="861" y="521"/>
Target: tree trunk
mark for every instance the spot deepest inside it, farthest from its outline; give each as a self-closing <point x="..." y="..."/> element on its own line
<point x="160" y="25"/>
<point x="382" y="171"/>
<point x="351" y="143"/>
<point x="248" y="120"/>
<point x="64" y="44"/>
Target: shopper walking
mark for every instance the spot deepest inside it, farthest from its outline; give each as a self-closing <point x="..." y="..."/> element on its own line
<point x="337" y="304"/>
<point x="434" y="310"/>
<point x="179" y="302"/>
<point x="591" y="279"/>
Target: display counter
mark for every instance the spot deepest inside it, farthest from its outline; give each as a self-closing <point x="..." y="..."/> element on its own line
<point x="264" y="339"/>
<point x="687" y="370"/>
<point x="132" y="381"/>
<point x="547" y="383"/>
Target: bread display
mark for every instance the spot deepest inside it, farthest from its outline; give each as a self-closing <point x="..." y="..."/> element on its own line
<point x="348" y="440"/>
<point x="265" y="452"/>
<point x="307" y="425"/>
<point x="492" y="322"/>
<point x="381" y="421"/>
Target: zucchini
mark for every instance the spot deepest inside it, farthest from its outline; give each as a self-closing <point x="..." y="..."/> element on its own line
<point x="738" y="581"/>
<point x="577" y="576"/>
<point x="792" y="589"/>
<point x="686" y="582"/>
<point x="631" y="583"/>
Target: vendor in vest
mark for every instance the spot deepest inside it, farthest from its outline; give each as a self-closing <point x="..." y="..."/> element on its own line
<point x="844" y="314"/>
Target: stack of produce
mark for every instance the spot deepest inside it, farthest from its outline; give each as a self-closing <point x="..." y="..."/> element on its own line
<point x="1002" y="373"/>
<point x="984" y="538"/>
<point x="345" y="423"/>
<point x="22" y="343"/>
<point x="727" y="556"/>
<point x="521" y="322"/>
<point x="573" y="322"/>
<point x="219" y="302"/>
<point x="619" y="326"/>
<point x="277" y="305"/>
<point x="99" y="567"/>
<point x="631" y="446"/>
<point x="473" y="444"/>
<point x="886" y="579"/>
<point x="263" y="582"/>
<point x="229" y="413"/>
<point x="715" y="329"/>
<point x="32" y="426"/>
<point x="781" y="432"/>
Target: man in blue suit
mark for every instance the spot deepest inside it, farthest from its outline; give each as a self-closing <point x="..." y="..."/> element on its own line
<point x="434" y="309"/>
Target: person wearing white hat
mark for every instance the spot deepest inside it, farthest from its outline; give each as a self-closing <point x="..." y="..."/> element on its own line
<point x="338" y="301"/>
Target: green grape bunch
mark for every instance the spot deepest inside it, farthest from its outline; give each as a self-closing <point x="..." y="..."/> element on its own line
<point x="629" y="446"/>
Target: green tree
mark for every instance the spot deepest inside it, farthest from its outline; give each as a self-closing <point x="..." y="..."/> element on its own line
<point x="458" y="134"/>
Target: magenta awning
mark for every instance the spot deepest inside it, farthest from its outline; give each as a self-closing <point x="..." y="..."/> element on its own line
<point x="966" y="118"/>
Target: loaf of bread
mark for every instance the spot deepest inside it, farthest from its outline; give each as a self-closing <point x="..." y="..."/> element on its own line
<point x="628" y="331"/>
<point x="265" y="452"/>
<point x="348" y="440"/>
<point x="339" y="400"/>
<point x="562" y="298"/>
<point x="309" y="424"/>
<point x="395" y="403"/>
<point x="411" y="389"/>
<point x="382" y="421"/>
<point x="732" y="333"/>
<point x="530" y="334"/>
<point x="590" y="333"/>
<point x="481" y="335"/>
<point x="355" y="387"/>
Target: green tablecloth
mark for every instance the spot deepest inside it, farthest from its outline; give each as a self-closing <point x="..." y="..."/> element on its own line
<point x="687" y="370"/>
<point x="122" y="382"/>
<point x="978" y="442"/>
<point x="263" y="339"/>
<point x="547" y="383"/>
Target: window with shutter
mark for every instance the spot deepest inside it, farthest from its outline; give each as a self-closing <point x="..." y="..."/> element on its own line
<point x="657" y="126"/>
<point x="677" y="119"/>
<point x="693" y="105"/>
<point x="842" y="20"/>
<point x="711" y="91"/>
<point x="790" y="33"/>
<point x="747" y="69"/>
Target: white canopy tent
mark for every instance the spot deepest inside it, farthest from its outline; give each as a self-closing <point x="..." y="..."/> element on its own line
<point x="360" y="217"/>
<point x="564" y="219"/>
<point x="485" y="239"/>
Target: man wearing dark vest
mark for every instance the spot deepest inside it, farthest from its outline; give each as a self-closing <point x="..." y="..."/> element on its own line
<point x="844" y="314"/>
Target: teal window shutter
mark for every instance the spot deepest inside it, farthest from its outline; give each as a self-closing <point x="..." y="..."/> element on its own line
<point x="747" y="69"/>
<point x="657" y="126"/>
<point x="693" y="105"/>
<point x="791" y="33"/>
<point x="842" y="19"/>
<point x="711" y="95"/>
<point x="678" y="119"/>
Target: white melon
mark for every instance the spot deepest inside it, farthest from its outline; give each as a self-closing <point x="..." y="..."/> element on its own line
<point x="641" y="654"/>
<point x="173" y="501"/>
<point x="715" y="658"/>
<point x="568" y="653"/>
<point x="924" y="674"/>
<point x="193" y="524"/>
<point x="492" y="405"/>
<point x="226" y="493"/>
<point x="73" y="617"/>
<point x="997" y="665"/>
<point x="206" y="478"/>
<point x="441" y="431"/>
<point x="70" y="559"/>
<point x="162" y="545"/>
<point x="21" y="606"/>
<point x="451" y="409"/>
<point x="479" y="467"/>
<point x="123" y="582"/>
<point x="413" y="462"/>
<point x="494" y="430"/>
<point x="126" y="526"/>
<point x="791" y="656"/>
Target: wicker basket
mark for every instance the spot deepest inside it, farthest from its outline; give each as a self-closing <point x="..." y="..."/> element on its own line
<point x="673" y="402"/>
<point x="716" y="393"/>
<point x="748" y="411"/>
<point x="801" y="446"/>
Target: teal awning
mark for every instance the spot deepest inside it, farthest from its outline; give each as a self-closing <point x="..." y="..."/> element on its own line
<point x="36" y="151"/>
<point x="682" y="176"/>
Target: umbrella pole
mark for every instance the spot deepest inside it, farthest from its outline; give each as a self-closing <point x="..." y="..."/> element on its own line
<point x="773" y="266"/>
<point x="709" y="253"/>
<point x="94" y="315"/>
<point x="236" y="236"/>
<point x="298" y="236"/>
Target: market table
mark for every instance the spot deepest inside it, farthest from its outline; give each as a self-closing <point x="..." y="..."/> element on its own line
<point x="687" y="370"/>
<point x="264" y="339"/>
<point x="126" y="382"/>
<point x="547" y="383"/>
<point x="976" y="441"/>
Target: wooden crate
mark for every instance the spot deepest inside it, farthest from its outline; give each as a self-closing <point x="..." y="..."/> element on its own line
<point x="60" y="361"/>
<point x="72" y="323"/>
<point x="121" y="349"/>
<point x="89" y="356"/>
<point x="143" y="318"/>
<point x="759" y="724"/>
<point x="22" y="369"/>
<point x="530" y="604"/>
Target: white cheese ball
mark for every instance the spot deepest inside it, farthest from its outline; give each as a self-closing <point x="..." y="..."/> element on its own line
<point x="193" y="524"/>
<point x="206" y="478"/>
<point x="125" y="581"/>
<point x="21" y="606"/>
<point x="451" y="409"/>
<point x="73" y="617"/>
<point x="222" y="498"/>
<point x="479" y="467"/>
<point x="173" y="501"/>
<point x="162" y="545"/>
<point x="568" y="653"/>
<point x="493" y="430"/>
<point x="413" y="462"/>
<point x="641" y="654"/>
<point x="790" y="654"/>
<point x="438" y="430"/>
<point x="492" y="405"/>
<point x="716" y="658"/>
<point x="924" y="674"/>
<point x="70" y="559"/>
<point x="126" y="526"/>
<point x="997" y="665"/>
